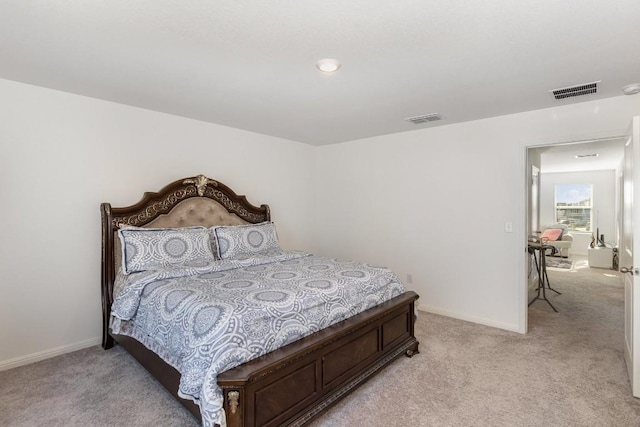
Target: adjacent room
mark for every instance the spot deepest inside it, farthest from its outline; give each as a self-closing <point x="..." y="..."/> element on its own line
<point x="578" y="192"/>
<point x="326" y="214"/>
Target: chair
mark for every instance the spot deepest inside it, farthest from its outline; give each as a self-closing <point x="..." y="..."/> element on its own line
<point x="561" y="240"/>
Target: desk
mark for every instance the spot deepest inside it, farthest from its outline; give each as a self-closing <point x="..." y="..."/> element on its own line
<point x="539" y="252"/>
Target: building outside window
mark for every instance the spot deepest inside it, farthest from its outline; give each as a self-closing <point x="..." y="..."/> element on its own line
<point x="574" y="206"/>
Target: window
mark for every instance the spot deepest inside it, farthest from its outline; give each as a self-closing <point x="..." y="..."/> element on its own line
<point x="574" y="205"/>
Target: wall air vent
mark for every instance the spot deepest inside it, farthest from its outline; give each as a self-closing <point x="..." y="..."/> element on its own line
<point x="577" y="90"/>
<point x="433" y="117"/>
<point x="584" y="156"/>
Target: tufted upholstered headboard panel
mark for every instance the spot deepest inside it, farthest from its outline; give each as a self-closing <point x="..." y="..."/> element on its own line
<point x="187" y="213"/>
<point x="183" y="203"/>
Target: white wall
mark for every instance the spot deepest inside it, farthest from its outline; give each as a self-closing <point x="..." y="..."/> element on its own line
<point x="635" y="101"/>
<point x="434" y="203"/>
<point x="63" y="154"/>
<point x="604" y="203"/>
<point x="431" y="202"/>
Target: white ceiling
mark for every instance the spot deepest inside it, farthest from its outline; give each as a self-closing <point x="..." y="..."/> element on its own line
<point x="250" y="64"/>
<point x="562" y="157"/>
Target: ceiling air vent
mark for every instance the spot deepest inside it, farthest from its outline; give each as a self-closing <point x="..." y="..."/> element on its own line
<point x="577" y="90"/>
<point x="434" y="117"/>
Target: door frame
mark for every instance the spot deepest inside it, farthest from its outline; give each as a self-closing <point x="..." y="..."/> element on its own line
<point x="524" y="289"/>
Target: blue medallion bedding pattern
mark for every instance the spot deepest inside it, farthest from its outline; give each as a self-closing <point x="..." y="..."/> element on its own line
<point x="208" y="319"/>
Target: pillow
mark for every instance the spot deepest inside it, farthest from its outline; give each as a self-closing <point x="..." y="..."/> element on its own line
<point x="213" y="243"/>
<point x="551" y="234"/>
<point x="155" y="248"/>
<point x="558" y="225"/>
<point x="242" y="241"/>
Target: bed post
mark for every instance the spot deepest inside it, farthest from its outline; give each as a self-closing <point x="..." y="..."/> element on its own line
<point x="107" y="276"/>
<point x="234" y="407"/>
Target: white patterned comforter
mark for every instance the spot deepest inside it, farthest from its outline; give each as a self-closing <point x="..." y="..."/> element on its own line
<point x="206" y="320"/>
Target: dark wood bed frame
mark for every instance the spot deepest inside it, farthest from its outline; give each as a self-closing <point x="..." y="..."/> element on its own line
<point x="291" y="385"/>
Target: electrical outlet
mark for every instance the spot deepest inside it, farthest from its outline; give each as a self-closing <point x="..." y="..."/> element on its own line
<point x="409" y="278"/>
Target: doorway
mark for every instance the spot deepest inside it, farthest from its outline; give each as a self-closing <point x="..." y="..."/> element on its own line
<point x="596" y="162"/>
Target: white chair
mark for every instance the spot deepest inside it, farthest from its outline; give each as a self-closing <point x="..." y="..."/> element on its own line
<point x="563" y="244"/>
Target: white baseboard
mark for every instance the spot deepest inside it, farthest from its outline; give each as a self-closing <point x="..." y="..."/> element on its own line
<point x="472" y="319"/>
<point x="47" y="354"/>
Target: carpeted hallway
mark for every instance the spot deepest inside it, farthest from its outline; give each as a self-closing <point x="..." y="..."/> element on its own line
<point x="567" y="371"/>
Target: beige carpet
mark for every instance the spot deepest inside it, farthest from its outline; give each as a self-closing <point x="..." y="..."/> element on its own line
<point x="568" y="371"/>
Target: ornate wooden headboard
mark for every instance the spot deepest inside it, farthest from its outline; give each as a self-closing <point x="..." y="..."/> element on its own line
<point x="186" y="202"/>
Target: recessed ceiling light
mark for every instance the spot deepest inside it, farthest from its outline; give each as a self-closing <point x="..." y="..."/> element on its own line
<point x="328" y="65"/>
<point x="631" y="89"/>
<point x="583" y="156"/>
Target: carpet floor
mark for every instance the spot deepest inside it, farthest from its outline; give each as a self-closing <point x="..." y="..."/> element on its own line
<point x="567" y="371"/>
<point x="557" y="262"/>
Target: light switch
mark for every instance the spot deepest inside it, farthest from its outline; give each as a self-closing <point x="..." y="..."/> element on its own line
<point x="508" y="227"/>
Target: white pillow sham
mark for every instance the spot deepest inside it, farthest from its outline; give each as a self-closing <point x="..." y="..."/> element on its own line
<point x="155" y="248"/>
<point x="242" y="241"/>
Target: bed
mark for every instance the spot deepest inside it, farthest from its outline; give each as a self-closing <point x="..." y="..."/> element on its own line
<point x="289" y="385"/>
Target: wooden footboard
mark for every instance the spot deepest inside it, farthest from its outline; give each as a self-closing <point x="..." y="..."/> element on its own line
<point x="290" y="386"/>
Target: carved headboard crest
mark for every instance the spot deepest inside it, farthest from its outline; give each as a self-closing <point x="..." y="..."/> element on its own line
<point x="201" y="183"/>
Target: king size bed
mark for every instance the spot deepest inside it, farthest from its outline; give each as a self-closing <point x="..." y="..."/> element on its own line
<point x="242" y="333"/>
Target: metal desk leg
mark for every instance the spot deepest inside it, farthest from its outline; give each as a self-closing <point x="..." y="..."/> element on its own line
<point x="544" y="254"/>
<point x="542" y="276"/>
